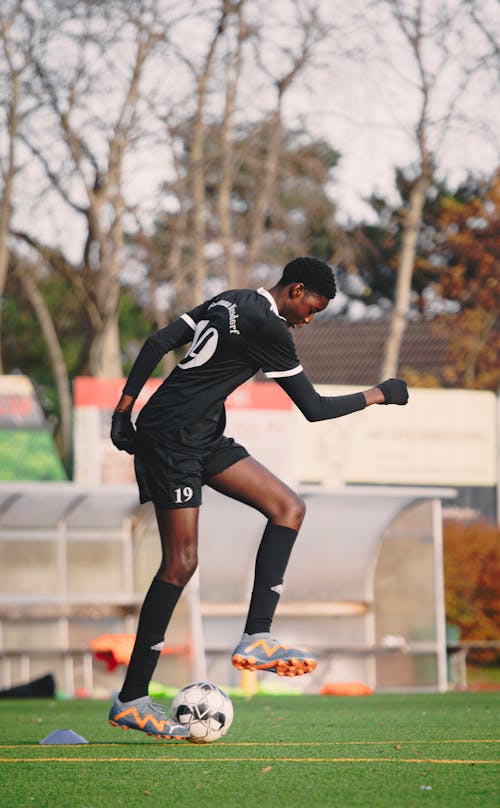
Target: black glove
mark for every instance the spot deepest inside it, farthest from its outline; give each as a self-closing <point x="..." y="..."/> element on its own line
<point x="122" y="431"/>
<point x="395" y="391"/>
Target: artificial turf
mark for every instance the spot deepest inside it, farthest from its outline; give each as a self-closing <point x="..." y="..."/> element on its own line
<point x="386" y="751"/>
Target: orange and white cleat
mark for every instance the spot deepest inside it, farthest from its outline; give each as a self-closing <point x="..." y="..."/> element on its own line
<point x="261" y="652"/>
<point x="150" y="718"/>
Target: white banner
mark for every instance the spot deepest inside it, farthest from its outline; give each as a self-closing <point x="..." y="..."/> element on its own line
<point x="442" y="437"/>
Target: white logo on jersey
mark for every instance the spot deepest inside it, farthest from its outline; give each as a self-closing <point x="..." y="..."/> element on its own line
<point x="231" y="310"/>
<point x="202" y="347"/>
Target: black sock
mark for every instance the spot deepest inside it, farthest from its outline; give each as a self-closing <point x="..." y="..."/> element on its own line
<point x="156" y="611"/>
<point x="270" y="565"/>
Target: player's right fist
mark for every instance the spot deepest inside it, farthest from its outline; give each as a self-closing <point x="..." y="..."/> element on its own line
<point x="122" y="431"/>
<point x="395" y="391"/>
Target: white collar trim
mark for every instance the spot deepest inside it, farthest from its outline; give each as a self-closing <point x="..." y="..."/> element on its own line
<point x="271" y="300"/>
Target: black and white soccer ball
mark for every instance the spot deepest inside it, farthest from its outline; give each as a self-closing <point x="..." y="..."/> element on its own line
<point x="205" y="710"/>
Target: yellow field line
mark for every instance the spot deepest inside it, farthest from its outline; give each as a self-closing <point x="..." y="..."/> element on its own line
<point x="245" y="760"/>
<point x="282" y="743"/>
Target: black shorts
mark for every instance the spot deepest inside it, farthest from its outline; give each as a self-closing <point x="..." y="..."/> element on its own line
<point x="171" y="475"/>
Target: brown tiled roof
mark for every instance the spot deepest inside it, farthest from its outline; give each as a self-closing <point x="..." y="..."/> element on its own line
<point x="340" y="352"/>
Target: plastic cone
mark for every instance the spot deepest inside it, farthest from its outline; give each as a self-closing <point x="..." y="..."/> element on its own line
<point x="62" y="737"/>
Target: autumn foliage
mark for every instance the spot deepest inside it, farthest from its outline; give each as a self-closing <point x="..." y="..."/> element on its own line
<point x="472" y="583"/>
<point x="469" y="246"/>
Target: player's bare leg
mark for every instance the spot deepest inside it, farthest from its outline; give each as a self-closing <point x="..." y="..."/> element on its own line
<point x="178" y="528"/>
<point x="251" y="483"/>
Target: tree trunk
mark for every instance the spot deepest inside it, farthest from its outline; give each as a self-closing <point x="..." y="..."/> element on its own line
<point x="478" y="344"/>
<point x="264" y="196"/>
<point x="105" y="354"/>
<point x="57" y="363"/>
<point x="6" y="198"/>
<point x="233" y="71"/>
<point x="399" y="318"/>
<point x="198" y="269"/>
<point x="197" y="170"/>
<point x="105" y="351"/>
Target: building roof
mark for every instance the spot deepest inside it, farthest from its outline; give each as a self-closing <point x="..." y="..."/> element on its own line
<point x="341" y="352"/>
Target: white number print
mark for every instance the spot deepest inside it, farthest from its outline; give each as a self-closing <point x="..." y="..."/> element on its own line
<point x="183" y="494"/>
<point x="202" y="347"/>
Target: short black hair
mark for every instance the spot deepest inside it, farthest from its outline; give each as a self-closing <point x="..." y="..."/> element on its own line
<point x="316" y="275"/>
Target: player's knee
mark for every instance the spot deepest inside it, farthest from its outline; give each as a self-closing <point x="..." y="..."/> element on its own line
<point x="290" y="512"/>
<point x="180" y="570"/>
<point x="298" y="511"/>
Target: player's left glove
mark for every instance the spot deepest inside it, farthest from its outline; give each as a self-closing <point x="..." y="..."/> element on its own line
<point x="122" y="431"/>
<point x="395" y="391"/>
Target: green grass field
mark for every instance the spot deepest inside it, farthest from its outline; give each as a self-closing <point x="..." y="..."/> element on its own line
<point x="383" y="750"/>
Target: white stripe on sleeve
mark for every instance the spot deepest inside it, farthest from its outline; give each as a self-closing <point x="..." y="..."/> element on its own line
<point x="189" y="320"/>
<point x="280" y="374"/>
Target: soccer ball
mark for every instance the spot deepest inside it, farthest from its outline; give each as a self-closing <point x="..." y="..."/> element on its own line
<point x="205" y="710"/>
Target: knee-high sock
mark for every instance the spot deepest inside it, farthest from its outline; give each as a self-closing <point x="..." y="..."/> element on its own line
<point x="270" y="565"/>
<point x="159" y="604"/>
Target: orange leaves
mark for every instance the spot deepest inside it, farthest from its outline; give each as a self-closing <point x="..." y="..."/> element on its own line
<point x="462" y="262"/>
<point x="472" y="580"/>
<point x="470" y="239"/>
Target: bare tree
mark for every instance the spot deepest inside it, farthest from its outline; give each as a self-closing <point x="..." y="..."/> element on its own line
<point x="491" y="56"/>
<point x="184" y="124"/>
<point x="95" y="155"/>
<point x="431" y="34"/>
<point x="313" y="31"/>
<point x="233" y="69"/>
<point x="413" y="31"/>
<point x="217" y="145"/>
<point x="197" y="273"/>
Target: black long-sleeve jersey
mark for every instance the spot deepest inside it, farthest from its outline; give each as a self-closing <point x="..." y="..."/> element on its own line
<point x="232" y="336"/>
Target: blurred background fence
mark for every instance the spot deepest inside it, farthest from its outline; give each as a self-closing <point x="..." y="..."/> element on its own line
<point x="365" y="586"/>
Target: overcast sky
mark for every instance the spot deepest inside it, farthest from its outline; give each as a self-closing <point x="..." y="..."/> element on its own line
<point x="370" y="104"/>
<point x="364" y="101"/>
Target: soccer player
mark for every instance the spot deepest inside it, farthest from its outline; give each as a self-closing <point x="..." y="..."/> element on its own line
<point x="179" y="446"/>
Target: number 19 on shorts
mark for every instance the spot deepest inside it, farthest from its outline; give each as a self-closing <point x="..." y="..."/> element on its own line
<point x="182" y="495"/>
